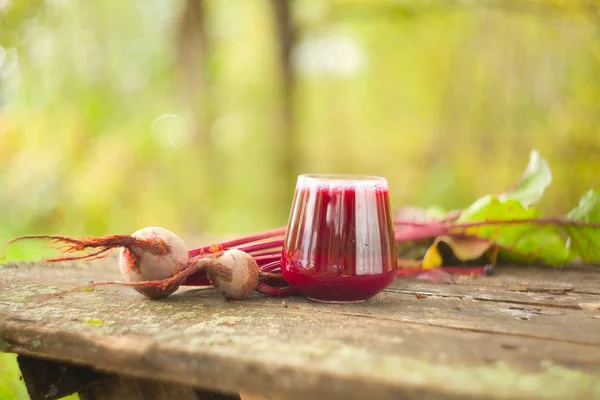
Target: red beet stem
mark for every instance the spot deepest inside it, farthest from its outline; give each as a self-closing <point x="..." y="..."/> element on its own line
<point x="276" y="291"/>
<point x="273" y="279"/>
<point x="275" y="252"/>
<point x="408" y="224"/>
<point x="452" y="215"/>
<point x="270" y="275"/>
<point x="237" y="242"/>
<point x="408" y="272"/>
<point x="420" y="232"/>
<point x="198" y="279"/>
<point x="275" y="244"/>
<point x="255" y="238"/>
<point x="433" y="229"/>
<point x="267" y="259"/>
<point x="474" y="271"/>
<point x="272" y="266"/>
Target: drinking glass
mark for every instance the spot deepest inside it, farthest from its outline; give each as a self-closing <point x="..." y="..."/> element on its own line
<point x="339" y="244"/>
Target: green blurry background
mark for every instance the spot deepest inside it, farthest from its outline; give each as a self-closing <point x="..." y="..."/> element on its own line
<point x="197" y="115"/>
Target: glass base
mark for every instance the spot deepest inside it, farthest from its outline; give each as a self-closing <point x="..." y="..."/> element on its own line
<point x="337" y="302"/>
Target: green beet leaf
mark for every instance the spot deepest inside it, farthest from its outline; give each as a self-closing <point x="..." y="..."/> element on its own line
<point x="585" y="241"/>
<point x="588" y="209"/>
<point x="525" y="242"/>
<point x="533" y="182"/>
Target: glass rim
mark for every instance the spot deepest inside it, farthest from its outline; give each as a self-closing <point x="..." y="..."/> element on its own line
<point x="342" y="177"/>
<point x="341" y="181"/>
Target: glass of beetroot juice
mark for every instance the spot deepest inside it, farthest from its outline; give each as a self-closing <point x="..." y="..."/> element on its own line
<point x="339" y="244"/>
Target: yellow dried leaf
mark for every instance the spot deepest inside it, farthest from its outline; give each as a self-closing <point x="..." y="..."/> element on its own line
<point x="433" y="258"/>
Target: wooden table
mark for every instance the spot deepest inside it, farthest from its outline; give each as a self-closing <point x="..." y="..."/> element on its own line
<point x="524" y="333"/>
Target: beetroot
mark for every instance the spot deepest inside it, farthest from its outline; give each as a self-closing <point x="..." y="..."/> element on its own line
<point x="144" y="263"/>
<point x="235" y="274"/>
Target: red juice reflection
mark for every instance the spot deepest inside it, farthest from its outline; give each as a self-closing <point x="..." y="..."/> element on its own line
<point x="339" y="245"/>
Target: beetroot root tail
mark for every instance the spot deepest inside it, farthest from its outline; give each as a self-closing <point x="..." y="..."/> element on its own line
<point x="194" y="265"/>
<point x="103" y="245"/>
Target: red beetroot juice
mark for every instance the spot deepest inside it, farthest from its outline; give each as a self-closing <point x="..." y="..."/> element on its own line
<point x="339" y="245"/>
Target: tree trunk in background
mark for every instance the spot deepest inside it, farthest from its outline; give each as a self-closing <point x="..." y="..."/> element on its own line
<point x="193" y="46"/>
<point x="285" y="126"/>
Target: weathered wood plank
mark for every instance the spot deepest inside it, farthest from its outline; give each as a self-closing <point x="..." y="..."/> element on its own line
<point x="392" y="346"/>
<point x="462" y="312"/>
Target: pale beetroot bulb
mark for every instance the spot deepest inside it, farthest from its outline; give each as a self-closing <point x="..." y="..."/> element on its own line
<point x="160" y="262"/>
<point x="235" y="274"/>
